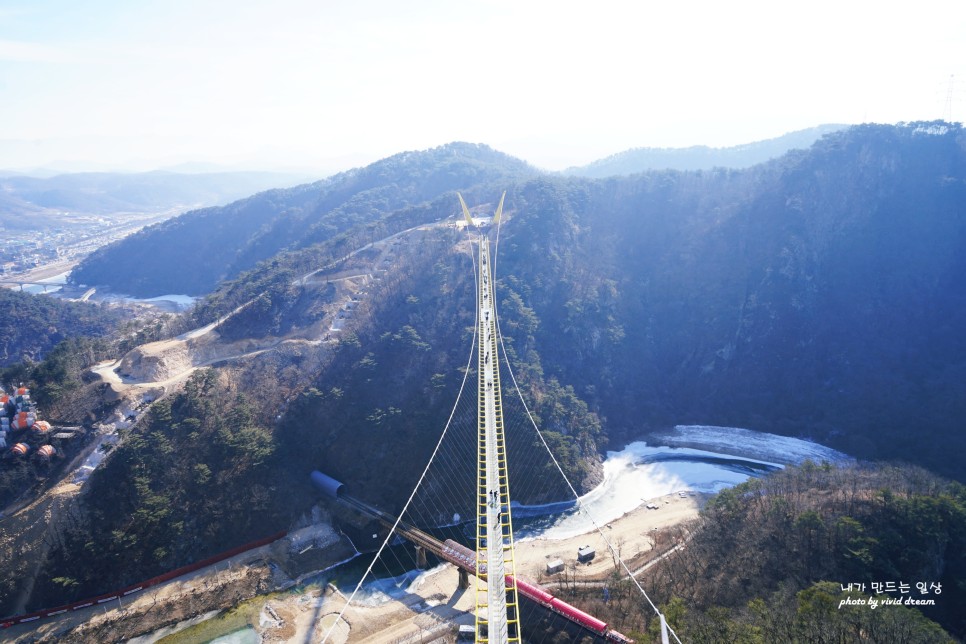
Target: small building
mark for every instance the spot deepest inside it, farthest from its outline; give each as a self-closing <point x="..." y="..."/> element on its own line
<point x="554" y="566"/>
<point x="585" y="554"/>
<point x="466" y="633"/>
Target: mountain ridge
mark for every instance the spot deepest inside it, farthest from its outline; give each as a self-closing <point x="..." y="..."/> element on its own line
<point x="215" y="244"/>
<point x="815" y="295"/>
<point x="110" y="192"/>
<point x="702" y="157"/>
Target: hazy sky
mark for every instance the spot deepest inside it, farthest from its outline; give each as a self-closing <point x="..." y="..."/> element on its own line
<point x="132" y="84"/>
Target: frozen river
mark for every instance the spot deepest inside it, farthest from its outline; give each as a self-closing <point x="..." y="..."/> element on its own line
<point x="691" y="458"/>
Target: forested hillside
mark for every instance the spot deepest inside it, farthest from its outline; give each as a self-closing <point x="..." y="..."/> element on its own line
<point x="814" y="296"/>
<point x="793" y="557"/>
<point x="817" y="295"/>
<point x="195" y="476"/>
<point x="241" y="460"/>
<point x="31" y="325"/>
<point x="193" y="253"/>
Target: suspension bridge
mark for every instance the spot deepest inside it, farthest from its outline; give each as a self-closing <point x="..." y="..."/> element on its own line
<point x="489" y="568"/>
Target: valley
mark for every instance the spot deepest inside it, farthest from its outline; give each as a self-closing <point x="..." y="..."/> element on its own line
<point x="148" y="372"/>
<point x="331" y="327"/>
<point x="49" y="224"/>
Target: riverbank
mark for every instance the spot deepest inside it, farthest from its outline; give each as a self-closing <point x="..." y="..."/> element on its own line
<point x="632" y="536"/>
<point x="432" y="604"/>
<point x="648" y="492"/>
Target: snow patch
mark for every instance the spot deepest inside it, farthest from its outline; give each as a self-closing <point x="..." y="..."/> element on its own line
<point x="320" y="535"/>
<point x="698" y="458"/>
<point x="95" y="458"/>
<point x="746" y="443"/>
<point x="641" y="472"/>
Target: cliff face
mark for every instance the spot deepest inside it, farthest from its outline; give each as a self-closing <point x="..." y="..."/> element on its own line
<point x="155" y="362"/>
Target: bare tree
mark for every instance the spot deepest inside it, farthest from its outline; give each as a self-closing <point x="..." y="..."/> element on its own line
<point x="615" y="552"/>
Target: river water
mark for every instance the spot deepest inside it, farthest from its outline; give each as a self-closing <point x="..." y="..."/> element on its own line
<point x="173" y="302"/>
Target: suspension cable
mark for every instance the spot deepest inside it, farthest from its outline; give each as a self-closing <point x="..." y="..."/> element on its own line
<point x="422" y="476"/>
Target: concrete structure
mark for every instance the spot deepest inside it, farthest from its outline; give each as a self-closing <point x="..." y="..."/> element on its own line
<point x="327" y="485"/>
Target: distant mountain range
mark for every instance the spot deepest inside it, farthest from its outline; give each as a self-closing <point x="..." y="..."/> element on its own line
<point x="702" y="157"/>
<point x="42" y="195"/>
<point x="111" y="192"/>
